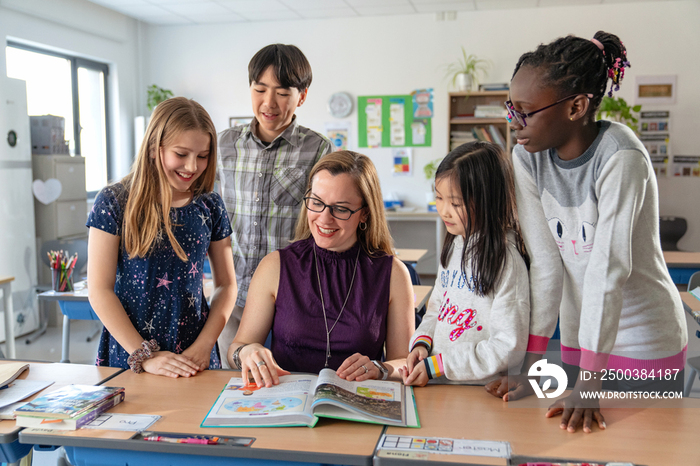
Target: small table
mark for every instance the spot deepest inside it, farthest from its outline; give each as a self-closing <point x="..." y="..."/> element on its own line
<point x="74" y="305"/>
<point x="421" y="295"/>
<point x="412" y="256"/>
<point x="682" y="264"/>
<point x="6" y="287"/>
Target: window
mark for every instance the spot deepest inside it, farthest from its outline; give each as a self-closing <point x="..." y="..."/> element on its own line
<point x="76" y="89"/>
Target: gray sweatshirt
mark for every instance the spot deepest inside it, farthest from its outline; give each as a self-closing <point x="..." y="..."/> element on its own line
<point x="591" y="227"/>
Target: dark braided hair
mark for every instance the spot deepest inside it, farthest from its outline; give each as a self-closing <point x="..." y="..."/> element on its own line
<point x="577" y="66"/>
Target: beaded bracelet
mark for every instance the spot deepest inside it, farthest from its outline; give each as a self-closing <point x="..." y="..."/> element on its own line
<point x="141" y="354"/>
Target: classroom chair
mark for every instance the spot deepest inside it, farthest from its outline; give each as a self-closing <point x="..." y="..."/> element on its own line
<point x="693" y="363"/>
<point x="671" y="230"/>
<point x="415" y="280"/>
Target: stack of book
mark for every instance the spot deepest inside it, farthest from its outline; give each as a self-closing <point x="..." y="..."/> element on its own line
<point x="457" y="138"/>
<point x="490" y="111"/>
<point x="68" y="408"/>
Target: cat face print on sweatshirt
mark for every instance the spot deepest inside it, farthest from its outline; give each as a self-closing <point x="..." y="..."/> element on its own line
<point x="573" y="228"/>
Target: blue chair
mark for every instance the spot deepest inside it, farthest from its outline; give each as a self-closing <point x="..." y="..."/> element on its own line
<point x="415" y="280"/>
<point x="693" y="363"/>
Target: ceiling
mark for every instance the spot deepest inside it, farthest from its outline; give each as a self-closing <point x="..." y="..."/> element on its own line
<point x="182" y="12"/>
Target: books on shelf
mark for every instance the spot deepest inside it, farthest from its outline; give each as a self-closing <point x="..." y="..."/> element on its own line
<point x="490" y="111"/>
<point x="72" y="423"/>
<point x="76" y="405"/>
<point x="299" y="400"/>
<point x="494" y="87"/>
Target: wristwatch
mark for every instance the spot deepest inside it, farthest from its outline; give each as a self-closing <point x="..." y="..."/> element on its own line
<point x="236" y="356"/>
<point x="382" y="368"/>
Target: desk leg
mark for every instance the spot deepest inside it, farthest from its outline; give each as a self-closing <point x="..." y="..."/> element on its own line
<point x="9" y="321"/>
<point x="66" y="339"/>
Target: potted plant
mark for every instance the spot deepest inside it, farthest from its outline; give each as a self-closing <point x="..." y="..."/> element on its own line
<point x="429" y="170"/>
<point x="157" y="95"/>
<point x="617" y="109"/>
<point x="464" y="73"/>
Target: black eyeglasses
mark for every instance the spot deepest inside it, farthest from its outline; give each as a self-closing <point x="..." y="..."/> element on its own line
<point x="339" y="212"/>
<point x="513" y="114"/>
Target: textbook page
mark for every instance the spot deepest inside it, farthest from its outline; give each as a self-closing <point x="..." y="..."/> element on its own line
<point x="286" y="404"/>
<point x="376" y="401"/>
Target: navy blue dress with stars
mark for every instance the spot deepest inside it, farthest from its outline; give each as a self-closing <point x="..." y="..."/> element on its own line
<point x="162" y="295"/>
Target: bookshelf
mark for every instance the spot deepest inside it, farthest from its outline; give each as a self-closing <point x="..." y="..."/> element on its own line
<point x="462" y="121"/>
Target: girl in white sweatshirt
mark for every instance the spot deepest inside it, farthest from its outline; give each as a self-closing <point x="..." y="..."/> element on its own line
<point x="479" y="312"/>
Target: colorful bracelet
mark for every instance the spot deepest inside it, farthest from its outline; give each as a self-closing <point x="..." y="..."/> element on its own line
<point x="434" y="366"/>
<point x="141" y="354"/>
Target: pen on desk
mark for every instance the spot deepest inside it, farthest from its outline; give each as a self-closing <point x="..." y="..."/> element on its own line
<point x="200" y="441"/>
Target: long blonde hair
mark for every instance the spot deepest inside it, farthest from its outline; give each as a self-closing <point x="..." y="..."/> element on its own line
<point x="149" y="192"/>
<point x="375" y="238"/>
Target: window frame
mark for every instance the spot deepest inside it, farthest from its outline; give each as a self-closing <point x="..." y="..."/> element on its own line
<point x="75" y="63"/>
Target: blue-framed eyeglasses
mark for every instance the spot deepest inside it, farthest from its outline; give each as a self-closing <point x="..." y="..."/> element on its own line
<point x="339" y="212"/>
<point x="520" y="117"/>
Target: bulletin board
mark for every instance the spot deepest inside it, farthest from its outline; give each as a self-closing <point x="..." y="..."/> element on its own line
<point x="387" y="121"/>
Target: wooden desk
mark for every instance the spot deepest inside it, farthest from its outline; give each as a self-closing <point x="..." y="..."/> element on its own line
<point x="681" y="265"/>
<point x="411" y="256"/>
<point x="61" y="375"/>
<point x="421" y="294"/>
<point x="652" y="436"/>
<point x="691" y="305"/>
<point x="6" y="287"/>
<point x="183" y="403"/>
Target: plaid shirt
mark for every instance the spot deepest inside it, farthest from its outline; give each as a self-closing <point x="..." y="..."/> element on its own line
<point x="262" y="187"/>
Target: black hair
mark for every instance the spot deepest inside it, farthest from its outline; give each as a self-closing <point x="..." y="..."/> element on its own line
<point x="574" y="65"/>
<point x="485" y="179"/>
<point x="289" y="64"/>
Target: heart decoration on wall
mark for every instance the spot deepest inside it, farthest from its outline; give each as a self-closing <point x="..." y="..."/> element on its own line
<point x="47" y="191"/>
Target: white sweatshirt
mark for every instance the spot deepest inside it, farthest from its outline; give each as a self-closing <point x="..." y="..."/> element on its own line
<point x="478" y="337"/>
<point x="591" y="227"/>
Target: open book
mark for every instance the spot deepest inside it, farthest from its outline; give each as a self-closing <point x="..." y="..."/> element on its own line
<point x="299" y="400"/>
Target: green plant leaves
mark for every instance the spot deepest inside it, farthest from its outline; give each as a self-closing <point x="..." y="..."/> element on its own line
<point x="157" y="95"/>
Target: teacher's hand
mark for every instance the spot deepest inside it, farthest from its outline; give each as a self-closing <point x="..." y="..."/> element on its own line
<point x="358" y="367"/>
<point x="258" y="361"/>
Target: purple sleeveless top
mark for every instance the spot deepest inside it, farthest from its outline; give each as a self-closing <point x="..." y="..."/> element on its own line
<point x="298" y="331"/>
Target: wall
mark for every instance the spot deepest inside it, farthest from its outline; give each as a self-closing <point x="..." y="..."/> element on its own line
<point x="388" y="55"/>
<point x="85" y="29"/>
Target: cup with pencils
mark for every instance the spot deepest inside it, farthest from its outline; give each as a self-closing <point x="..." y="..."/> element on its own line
<point x="62" y="270"/>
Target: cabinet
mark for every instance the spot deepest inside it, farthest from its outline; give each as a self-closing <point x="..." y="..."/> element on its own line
<point x="65" y="217"/>
<point x="464" y="125"/>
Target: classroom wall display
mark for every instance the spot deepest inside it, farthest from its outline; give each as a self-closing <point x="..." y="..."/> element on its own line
<point x="388" y="121"/>
<point x="422" y="103"/>
<point x="686" y="165"/>
<point x="403" y="161"/>
<point x="654" y="134"/>
<point x="339" y="134"/>
<point x="656" y="90"/>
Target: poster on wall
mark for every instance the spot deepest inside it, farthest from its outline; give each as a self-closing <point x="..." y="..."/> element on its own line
<point x="339" y="134"/>
<point x="389" y="121"/>
<point x="403" y="161"/>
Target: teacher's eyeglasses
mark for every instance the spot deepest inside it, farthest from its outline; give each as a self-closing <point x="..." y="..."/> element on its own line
<point x="520" y="117"/>
<point x="339" y="212"/>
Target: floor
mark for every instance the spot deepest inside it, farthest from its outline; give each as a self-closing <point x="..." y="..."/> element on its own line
<point x="48" y="346"/>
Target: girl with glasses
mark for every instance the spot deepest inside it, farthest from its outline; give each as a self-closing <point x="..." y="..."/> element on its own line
<point x="336" y="297"/>
<point x="588" y="204"/>
<point x="479" y="312"/>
